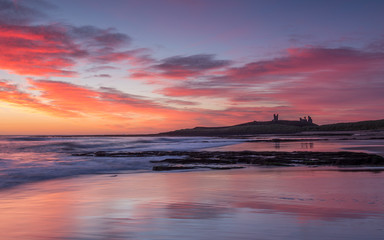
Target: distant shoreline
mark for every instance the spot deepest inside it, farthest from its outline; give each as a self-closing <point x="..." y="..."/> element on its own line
<point x="276" y="127"/>
<point x="244" y="129"/>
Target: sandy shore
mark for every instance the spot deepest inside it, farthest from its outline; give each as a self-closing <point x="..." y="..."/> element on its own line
<point x="253" y="203"/>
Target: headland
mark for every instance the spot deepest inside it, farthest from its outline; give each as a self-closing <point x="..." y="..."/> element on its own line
<point x="276" y="126"/>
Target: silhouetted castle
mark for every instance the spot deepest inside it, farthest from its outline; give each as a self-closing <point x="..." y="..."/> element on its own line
<point x="275" y="117"/>
<point x="305" y="121"/>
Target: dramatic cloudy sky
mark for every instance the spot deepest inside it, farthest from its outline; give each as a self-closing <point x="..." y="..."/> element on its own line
<point x="146" y="66"/>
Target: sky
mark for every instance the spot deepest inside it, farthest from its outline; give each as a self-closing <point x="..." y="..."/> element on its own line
<point x="149" y="66"/>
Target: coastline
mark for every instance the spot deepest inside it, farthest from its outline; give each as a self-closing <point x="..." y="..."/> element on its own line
<point x="318" y="202"/>
<point x="30" y="158"/>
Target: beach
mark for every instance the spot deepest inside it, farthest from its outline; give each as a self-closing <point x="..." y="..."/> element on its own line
<point x="58" y="195"/>
<point x="253" y="203"/>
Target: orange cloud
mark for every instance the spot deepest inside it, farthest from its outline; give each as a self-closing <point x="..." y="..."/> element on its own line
<point x="113" y="108"/>
<point x="11" y="94"/>
<point x="108" y="104"/>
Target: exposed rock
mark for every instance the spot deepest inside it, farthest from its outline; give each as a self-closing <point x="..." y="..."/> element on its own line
<point x="216" y="159"/>
<point x="169" y="167"/>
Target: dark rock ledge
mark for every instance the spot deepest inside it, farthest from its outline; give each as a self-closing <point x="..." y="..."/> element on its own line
<point x="229" y="160"/>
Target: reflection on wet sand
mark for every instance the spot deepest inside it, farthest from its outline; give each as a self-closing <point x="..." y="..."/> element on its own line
<point x="303" y="145"/>
<point x="284" y="146"/>
<point x="307" y="212"/>
<point x="307" y="145"/>
<point x="301" y="203"/>
<point x="321" y="145"/>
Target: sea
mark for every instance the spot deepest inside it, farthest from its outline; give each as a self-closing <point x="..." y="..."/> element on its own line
<point x="26" y="159"/>
<point x="49" y="190"/>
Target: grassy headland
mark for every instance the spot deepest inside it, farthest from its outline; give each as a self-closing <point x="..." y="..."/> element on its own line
<point x="276" y="127"/>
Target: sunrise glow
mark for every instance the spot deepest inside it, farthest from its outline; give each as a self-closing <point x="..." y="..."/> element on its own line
<point x="125" y="67"/>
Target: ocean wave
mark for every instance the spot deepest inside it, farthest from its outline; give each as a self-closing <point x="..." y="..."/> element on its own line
<point x="23" y="138"/>
<point x="38" y="171"/>
<point x="33" y="158"/>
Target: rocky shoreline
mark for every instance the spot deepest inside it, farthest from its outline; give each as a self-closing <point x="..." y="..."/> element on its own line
<point x="179" y="160"/>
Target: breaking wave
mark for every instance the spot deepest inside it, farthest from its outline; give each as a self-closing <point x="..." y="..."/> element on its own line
<point x="27" y="159"/>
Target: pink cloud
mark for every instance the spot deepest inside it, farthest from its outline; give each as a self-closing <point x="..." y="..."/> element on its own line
<point x="56" y="49"/>
<point x="180" y="67"/>
<point x="37" y="50"/>
<point x="331" y="84"/>
<point x="303" y="61"/>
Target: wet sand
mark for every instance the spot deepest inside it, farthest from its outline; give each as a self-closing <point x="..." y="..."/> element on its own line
<point x="253" y="203"/>
<point x="375" y="146"/>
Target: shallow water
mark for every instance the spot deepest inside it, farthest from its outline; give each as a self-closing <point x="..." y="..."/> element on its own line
<point x="320" y="144"/>
<point x="305" y="145"/>
<point x="254" y="203"/>
<point x="25" y="159"/>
